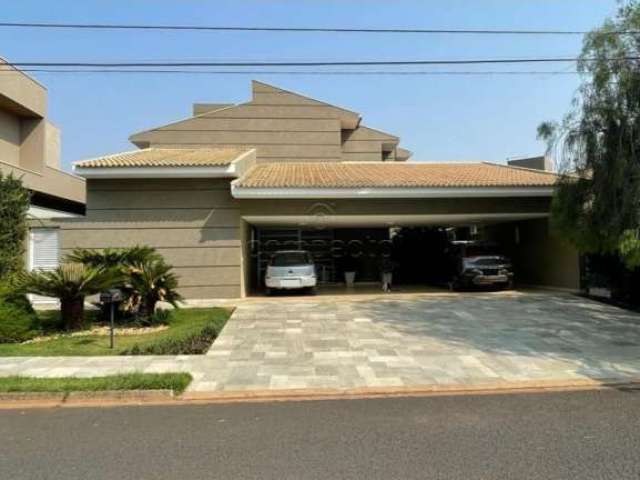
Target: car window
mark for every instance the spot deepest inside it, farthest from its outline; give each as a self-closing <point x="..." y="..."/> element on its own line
<point x="290" y="259"/>
<point x="480" y="250"/>
<point x="485" y="261"/>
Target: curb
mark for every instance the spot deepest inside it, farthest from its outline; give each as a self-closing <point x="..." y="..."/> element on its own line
<point x="107" y="397"/>
<point x="129" y="396"/>
<point x="504" y="388"/>
<point x="167" y="397"/>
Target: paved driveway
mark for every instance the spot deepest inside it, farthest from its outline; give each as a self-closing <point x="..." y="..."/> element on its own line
<point x="414" y="340"/>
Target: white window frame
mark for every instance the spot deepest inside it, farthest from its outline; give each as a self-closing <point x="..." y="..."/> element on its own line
<point x="36" y="298"/>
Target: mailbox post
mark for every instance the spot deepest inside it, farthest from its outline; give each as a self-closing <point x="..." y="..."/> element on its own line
<point x="111" y="297"/>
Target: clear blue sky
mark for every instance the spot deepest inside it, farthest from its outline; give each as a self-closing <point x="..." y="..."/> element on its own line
<point x="438" y="118"/>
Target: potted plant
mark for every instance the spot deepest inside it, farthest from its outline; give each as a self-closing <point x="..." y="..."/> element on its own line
<point x="350" y="266"/>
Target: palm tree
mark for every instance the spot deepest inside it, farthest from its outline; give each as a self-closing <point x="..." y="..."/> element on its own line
<point x="121" y="260"/>
<point x="70" y="283"/>
<point x="153" y="282"/>
<point x="113" y="257"/>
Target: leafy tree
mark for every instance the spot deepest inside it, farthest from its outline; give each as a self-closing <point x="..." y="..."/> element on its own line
<point x="70" y="283"/>
<point x="14" y="204"/>
<point x="597" y="206"/>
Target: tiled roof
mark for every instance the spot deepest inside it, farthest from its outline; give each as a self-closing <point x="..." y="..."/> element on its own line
<point x="166" y="157"/>
<point x="392" y="175"/>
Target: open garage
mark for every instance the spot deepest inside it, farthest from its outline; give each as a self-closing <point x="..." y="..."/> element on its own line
<point x="422" y="250"/>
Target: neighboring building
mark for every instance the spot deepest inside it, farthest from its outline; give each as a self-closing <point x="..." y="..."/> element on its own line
<point x="30" y="150"/>
<point x="214" y="193"/>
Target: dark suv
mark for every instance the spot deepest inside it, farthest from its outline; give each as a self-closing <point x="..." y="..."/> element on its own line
<point x="478" y="264"/>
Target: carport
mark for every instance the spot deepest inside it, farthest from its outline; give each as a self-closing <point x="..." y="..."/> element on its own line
<point x="416" y="245"/>
<point x="300" y="206"/>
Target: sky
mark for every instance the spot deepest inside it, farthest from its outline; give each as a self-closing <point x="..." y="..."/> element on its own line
<point x="439" y="118"/>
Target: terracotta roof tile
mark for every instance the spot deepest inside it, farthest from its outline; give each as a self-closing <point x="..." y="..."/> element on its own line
<point x="392" y="175"/>
<point x="166" y="157"/>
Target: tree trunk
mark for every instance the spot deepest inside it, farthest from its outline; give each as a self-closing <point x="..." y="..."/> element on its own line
<point x="150" y="306"/>
<point x="72" y="311"/>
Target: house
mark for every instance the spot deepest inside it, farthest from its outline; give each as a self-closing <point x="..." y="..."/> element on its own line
<point x="217" y="192"/>
<point x="30" y="150"/>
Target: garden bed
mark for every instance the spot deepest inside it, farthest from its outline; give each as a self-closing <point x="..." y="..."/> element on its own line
<point x="190" y="331"/>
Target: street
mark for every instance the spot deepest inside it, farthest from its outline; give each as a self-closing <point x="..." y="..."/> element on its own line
<point x="581" y="435"/>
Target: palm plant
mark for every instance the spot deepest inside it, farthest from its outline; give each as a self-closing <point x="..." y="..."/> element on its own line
<point x="121" y="260"/>
<point x="112" y="257"/>
<point x="153" y="282"/>
<point x="70" y="283"/>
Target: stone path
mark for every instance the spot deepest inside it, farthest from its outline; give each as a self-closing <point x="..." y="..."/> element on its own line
<point x="395" y="341"/>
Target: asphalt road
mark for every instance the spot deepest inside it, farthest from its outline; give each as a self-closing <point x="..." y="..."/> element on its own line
<point x="587" y="435"/>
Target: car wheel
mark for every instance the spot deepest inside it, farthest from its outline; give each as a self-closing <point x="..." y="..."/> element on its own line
<point x="268" y="291"/>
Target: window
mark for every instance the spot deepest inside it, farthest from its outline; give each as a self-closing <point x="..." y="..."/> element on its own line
<point x="290" y="259"/>
<point x="44" y="254"/>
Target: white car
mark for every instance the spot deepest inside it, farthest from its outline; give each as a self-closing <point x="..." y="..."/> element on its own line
<point x="289" y="270"/>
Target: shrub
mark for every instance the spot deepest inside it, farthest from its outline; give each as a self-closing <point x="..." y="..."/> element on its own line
<point x="11" y="294"/>
<point x="16" y="324"/>
<point x="14" y="204"/>
<point x="191" y="343"/>
<point x="191" y="332"/>
<point x="18" y="321"/>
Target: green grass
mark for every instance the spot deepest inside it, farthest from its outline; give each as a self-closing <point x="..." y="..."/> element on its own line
<point x="132" y="381"/>
<point x="190" y="331"/>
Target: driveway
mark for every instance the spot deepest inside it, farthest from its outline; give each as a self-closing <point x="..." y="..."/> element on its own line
<point x="419" y="340"/>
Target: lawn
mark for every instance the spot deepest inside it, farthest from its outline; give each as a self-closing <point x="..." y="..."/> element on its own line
<point x="191" y="331"/>
<point x="131" y="381"/>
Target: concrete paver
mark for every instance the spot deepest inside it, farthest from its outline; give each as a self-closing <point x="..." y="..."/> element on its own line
<point x="392" y="341"/>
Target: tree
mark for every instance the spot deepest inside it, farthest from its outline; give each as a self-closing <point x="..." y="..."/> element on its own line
<point x="70" y="283"/>
<point x="14" y="204"/>
<point x="597" y="205"/>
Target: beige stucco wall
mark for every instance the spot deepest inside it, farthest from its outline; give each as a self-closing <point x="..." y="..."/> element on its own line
<point x="194" y="224"/>
<point x="22" y="93"/>
<point x="419" y="206"/>
<point x="280" y="125"/>
<point x="9" y="138"/>
<point x="199" y="228"/>
<point x="29" y="144"/>
<point x="540" y="257"/>
<point x="364" y="145"/>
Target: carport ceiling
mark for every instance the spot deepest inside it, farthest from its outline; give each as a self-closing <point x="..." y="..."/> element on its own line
<point x="349" y="221"/>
